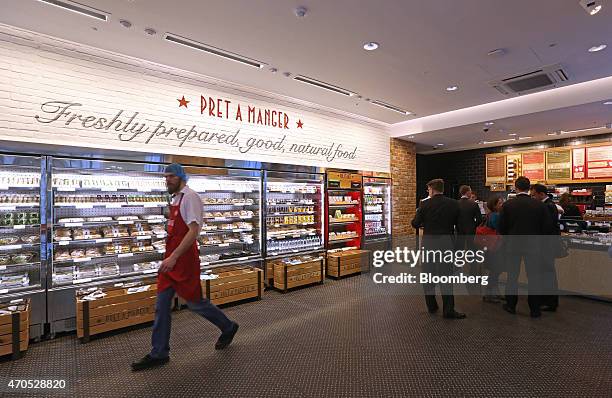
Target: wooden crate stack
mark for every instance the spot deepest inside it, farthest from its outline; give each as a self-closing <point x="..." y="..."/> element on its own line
<point x="122" y="306"/>
<point x="288" y="276"/>
<point x="14" y="327"/>
<point x="348" y="262"/>
<point x="234" y="283"/>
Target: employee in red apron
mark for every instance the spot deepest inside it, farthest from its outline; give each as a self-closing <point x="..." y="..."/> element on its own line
<point x="180" y="272"/>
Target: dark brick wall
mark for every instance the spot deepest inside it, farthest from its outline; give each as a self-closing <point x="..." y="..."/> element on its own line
<point x="468" y="167"/>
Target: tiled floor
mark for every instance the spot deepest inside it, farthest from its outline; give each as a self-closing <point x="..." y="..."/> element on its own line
<point x="347" y="338"/>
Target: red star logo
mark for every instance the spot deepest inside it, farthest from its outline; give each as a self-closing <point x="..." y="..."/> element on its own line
<point x="300" y="124"/>
<point x="183" y="102"/>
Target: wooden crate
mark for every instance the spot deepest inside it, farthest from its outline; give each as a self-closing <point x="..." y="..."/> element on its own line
<point x="235" y="283"/>
<point x="15" y="329"/>
<point x="288" y="276"/>
<point x="270" y="271"/>
<point x="347" y="262"/>
<point x="116" y="310"/>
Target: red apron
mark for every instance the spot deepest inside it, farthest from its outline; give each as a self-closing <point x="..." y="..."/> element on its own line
<point x="185" y="276"/>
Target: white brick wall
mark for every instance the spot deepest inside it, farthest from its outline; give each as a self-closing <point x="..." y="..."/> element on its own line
<point x="35" y="69"/>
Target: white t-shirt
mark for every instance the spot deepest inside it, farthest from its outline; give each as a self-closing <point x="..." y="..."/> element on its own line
<point x="191" y="206"/>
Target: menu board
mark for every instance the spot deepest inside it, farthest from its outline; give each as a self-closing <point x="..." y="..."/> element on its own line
<point x="559" y="164"/>
<point x="534" y="166"/>
<point x="599" y="161"/>
<point x="578" y="162"/>
<point x="496" y="169"/>
<point x="513" y="167"/>
<point x="343" y="180"/>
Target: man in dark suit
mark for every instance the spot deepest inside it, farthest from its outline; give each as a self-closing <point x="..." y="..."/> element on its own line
<point x="438" y="217"/>
<point x="469" y="218"/>
<point x="550" y="301"/>
<point x="525" y="220"/>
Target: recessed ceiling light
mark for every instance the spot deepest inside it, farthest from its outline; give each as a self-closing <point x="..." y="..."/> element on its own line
<point x="512" y="134"/>
<point x="389" y="106"/>
<point x="176" y="39"/>
<point x="489" y="123"/>
<point x="370" y="46"/>
<point x="595" y="10"/>
<point x="525" y="138"/>
<point x="595" y="49"/>
<point x="125" y="23"/>
<point x="150" y="31"/>
<point x="410" y="137"/>
<point x="78" y="8"/>
<point x="608" y="103"/>
<point x="551" y="134"/>
<point x="452" y="88"/>
<point x="440" y="144"/>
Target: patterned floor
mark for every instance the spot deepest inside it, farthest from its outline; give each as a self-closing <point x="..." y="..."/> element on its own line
<point x="346" y="339"/>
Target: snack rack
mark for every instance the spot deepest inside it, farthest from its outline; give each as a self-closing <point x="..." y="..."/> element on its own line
<point x="107" y="224"/>
<point x="231" y="200"/>
<point x="22" y="260"/>
<point x="294" y="213"/>
<point x="344" y="212"/>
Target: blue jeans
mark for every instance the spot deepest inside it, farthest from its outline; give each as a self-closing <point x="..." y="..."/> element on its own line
<point x="163" y="319"/>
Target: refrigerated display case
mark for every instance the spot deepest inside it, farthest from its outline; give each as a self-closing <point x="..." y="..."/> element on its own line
<point x="376" y="211"/>
<point x="21" y="235"/>
<point x="231" y="229"/>
<point x="344" y="213"/>
<point x="108" y="225"/>
<point x="294" y="213"/>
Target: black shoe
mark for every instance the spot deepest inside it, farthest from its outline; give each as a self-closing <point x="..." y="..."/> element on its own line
<point x="509" y="309"/>
<point x="455" y="315"/>
<point x="226" y="338"/>
<point x="549" y="308"/>
<point x="149" y="362"/>
<point x="432" y="310"/>
<point x="535" y="314"/>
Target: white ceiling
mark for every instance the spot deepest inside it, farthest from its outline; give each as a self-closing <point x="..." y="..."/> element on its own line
<point x="536" y="125"/>
<point x="425" y="46"/>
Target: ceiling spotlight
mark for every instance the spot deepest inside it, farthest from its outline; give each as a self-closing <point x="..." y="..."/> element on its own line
<point x="595" y="10"/>
<point x="125" y="23"/>
<point x="286" y="74"/>
<point x="452" y="88"/>
<point x="273" y="70"/>
<point x="370" y="46"/>
<point x="150" y="31"/>
<point x="592" y="7"/>
<point x="595" y="49"/>
<point x="489" y="123"/>
<point x="440" y="144"/>
<point x="512" y="134"/>
<point x="410" y="137"/>
<point x="300" y="12"/>
<point x="608" y="103"/>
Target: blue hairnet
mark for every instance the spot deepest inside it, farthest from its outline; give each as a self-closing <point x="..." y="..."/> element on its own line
<point x="177" y="170"/>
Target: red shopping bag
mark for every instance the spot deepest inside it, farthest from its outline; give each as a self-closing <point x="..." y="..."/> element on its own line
<point x="487" y="237"/>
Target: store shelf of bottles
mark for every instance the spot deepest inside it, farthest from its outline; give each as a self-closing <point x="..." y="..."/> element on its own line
<point x="20" y="230"/>
<point x="294" y="221"/>
<point x="377" y="208"/>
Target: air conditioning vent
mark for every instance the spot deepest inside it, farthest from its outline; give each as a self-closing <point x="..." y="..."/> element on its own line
<point x="545" y="78"/>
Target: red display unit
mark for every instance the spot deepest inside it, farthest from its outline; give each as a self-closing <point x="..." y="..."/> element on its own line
<point x="344" y="217"/>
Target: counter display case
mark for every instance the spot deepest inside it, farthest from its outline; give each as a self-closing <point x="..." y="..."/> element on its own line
<point x="231" y="202"/>
<point x="21" y="240"/>
<point x="108" y="224"/>
<point x="294" y="213"/>
<point x="376" y="209"/>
